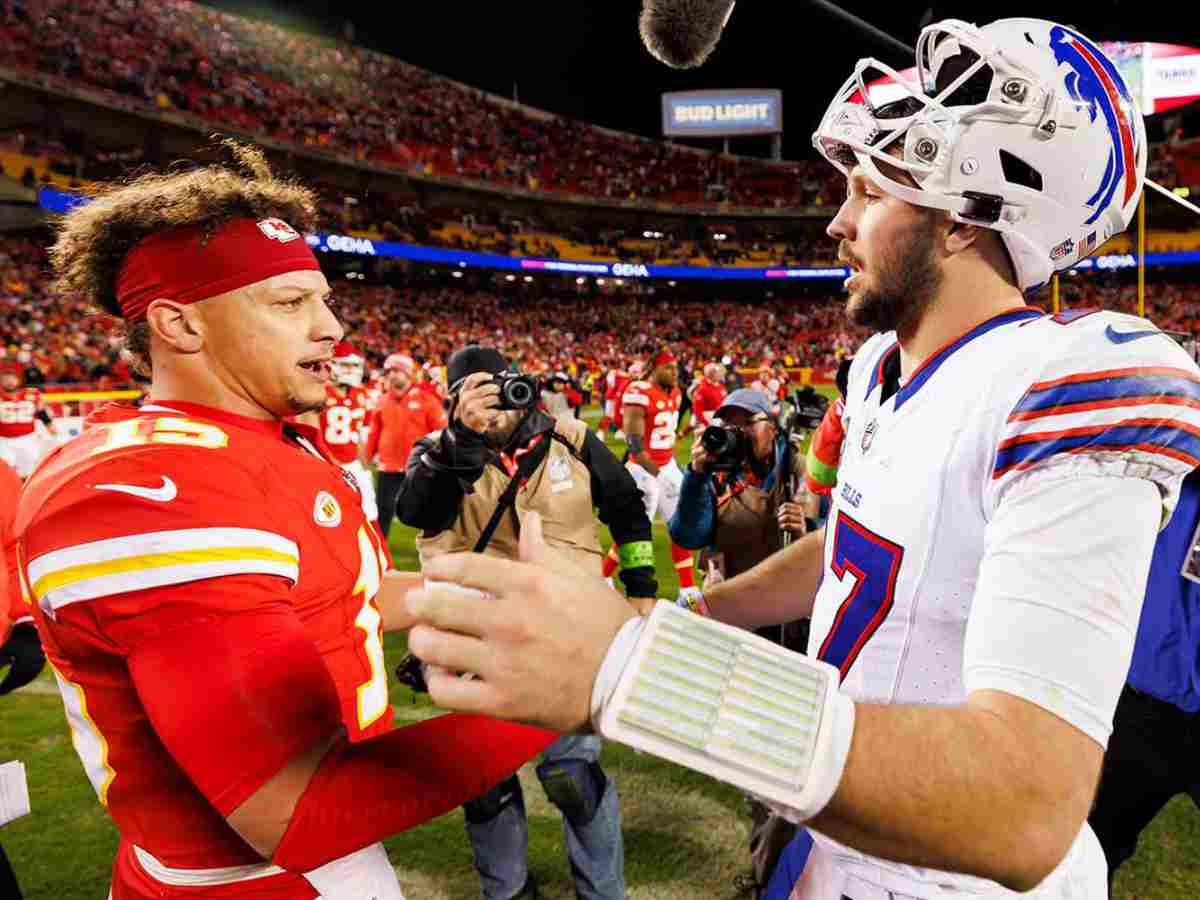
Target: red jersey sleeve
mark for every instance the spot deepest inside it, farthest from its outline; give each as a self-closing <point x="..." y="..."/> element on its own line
<point x="180" y="579"/>
<point x="231" y="683"/>
<point x="13" y="607"/>
<point x="637" y="394"/>
<point x="147" y="521"/>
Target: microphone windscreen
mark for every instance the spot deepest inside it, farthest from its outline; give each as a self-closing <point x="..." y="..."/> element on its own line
<point x="682" y="33"/>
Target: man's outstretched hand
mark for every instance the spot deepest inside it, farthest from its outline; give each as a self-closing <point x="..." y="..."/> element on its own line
<point x="535" y="639"/>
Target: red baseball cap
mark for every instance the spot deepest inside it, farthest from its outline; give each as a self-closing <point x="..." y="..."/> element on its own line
<point x="345" y="350"/>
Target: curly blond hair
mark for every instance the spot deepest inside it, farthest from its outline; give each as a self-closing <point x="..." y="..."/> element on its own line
<point x="93" y="239"/>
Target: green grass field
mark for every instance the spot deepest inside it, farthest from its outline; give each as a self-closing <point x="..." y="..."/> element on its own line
<point x="685" y="834"/>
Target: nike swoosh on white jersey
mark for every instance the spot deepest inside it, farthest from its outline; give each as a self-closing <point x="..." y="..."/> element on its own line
<point x="164" y="494"/>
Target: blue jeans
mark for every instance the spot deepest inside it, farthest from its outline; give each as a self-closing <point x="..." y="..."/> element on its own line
<point x="595" y="849"/>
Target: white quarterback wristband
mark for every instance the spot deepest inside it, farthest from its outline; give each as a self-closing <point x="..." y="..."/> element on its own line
<point x="728" y="703"/>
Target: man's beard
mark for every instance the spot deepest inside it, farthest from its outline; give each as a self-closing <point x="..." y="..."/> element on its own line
<point x="906" y="279"/>
<point x="499" y="440"/>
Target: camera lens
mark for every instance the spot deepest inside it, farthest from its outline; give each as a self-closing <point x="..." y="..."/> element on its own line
<point x="716" y="440"/>
<point x="518" y="393"/>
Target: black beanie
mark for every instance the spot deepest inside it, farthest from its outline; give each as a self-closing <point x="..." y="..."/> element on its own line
<point x="472" y="359"/>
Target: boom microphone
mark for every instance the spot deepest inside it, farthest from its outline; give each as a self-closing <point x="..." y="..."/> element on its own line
<point x="682" y="33"/>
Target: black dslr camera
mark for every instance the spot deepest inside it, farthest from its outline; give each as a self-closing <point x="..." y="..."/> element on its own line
<point x="808" y="409"/>
<point x="517" y="391"/>
<point x="728" y="449"/>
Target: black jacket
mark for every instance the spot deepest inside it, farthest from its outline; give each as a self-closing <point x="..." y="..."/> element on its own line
<point x="443" y="469"/>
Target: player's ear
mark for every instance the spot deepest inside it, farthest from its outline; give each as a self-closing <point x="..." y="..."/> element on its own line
<point x="176" y="325"/>
<point x="959" y="236"/>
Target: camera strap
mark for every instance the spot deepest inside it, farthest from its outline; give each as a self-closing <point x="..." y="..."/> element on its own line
<point x="526" y="467"/>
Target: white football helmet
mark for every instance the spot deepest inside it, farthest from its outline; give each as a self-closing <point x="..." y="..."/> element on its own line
<point x="348" y="366"/>
<point x="1022" y="126"/>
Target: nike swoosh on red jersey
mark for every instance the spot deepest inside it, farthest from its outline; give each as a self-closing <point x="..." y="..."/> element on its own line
<point x="164" y="494"/>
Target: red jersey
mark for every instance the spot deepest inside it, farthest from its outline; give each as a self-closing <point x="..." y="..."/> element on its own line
<point x="616" y="381"/>
<point x="155" y="522"/>
<point x="662" y="417"/>
<point x="434" y="388"/>
<point x="399" y="421"/>
<point x="706" y="400"/>
<point x="13" y="607"/>
<point x="17" y="411"/>
<point x="343" y="422"/>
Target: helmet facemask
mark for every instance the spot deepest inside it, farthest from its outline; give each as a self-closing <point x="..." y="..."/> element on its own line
<point x="995" y="133"/>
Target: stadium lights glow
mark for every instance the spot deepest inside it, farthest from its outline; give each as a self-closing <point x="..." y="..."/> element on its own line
<point x="720" y="236"/>
<point x="528" y="278"/>
<point x="510" y="277"/>
<point x="652" y="234"/>
<point x="620" y="281"/>
<point x="599" y="281"/>
<point x="670" y="284"/>
<point x="456" y="274"/>
<point x="462" y="265"/>
<point x="580" y="280"/>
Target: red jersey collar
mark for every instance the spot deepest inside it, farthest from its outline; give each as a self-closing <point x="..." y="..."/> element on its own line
<point x="271" y="427"/>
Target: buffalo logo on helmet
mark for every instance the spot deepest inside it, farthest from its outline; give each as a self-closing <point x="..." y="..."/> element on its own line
<point x="278" y="230"/>
<point x="1095" y="82"/>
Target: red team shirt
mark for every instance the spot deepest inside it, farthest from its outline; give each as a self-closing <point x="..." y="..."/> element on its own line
<point x="176" y="517"/>
<point x="13" y="607"/>
<point x="343" y="421"/>
<point x="17" y="411"/>
<point x="662" y="417"/>
<point x="706" y="400"/>
<point x="617" y="382"/>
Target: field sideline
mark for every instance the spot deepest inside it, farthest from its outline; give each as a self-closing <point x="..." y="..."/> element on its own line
<point x="685" y="834"/>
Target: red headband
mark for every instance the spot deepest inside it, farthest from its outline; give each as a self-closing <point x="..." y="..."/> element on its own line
<point x="180" y="265"/>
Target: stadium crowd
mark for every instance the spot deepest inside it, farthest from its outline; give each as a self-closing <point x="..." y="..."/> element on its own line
<point x="362" y="105"/>
<point x="59" y="340"/>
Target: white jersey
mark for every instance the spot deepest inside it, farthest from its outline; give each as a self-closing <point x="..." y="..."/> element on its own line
<point x="1022" y="396"/>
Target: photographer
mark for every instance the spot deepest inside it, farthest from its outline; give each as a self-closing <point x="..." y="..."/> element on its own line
<point x="739" y="501"/>
<point x="471" y="486"/>
<point x="737" y="498"/>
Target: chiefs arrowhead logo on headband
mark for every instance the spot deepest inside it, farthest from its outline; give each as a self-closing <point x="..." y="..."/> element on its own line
<point x="278" y="230"/>
<point x="190" y="263"/>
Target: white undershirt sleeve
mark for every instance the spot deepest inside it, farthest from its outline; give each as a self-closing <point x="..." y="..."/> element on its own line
<point x="1060" y="591"/>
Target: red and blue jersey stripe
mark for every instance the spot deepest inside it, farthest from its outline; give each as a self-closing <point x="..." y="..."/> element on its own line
<point x="1113" y="410"/>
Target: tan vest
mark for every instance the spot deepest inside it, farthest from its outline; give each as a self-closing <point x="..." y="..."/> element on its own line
<point x="747" y="531"/>
<point x="560" y="489"/>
